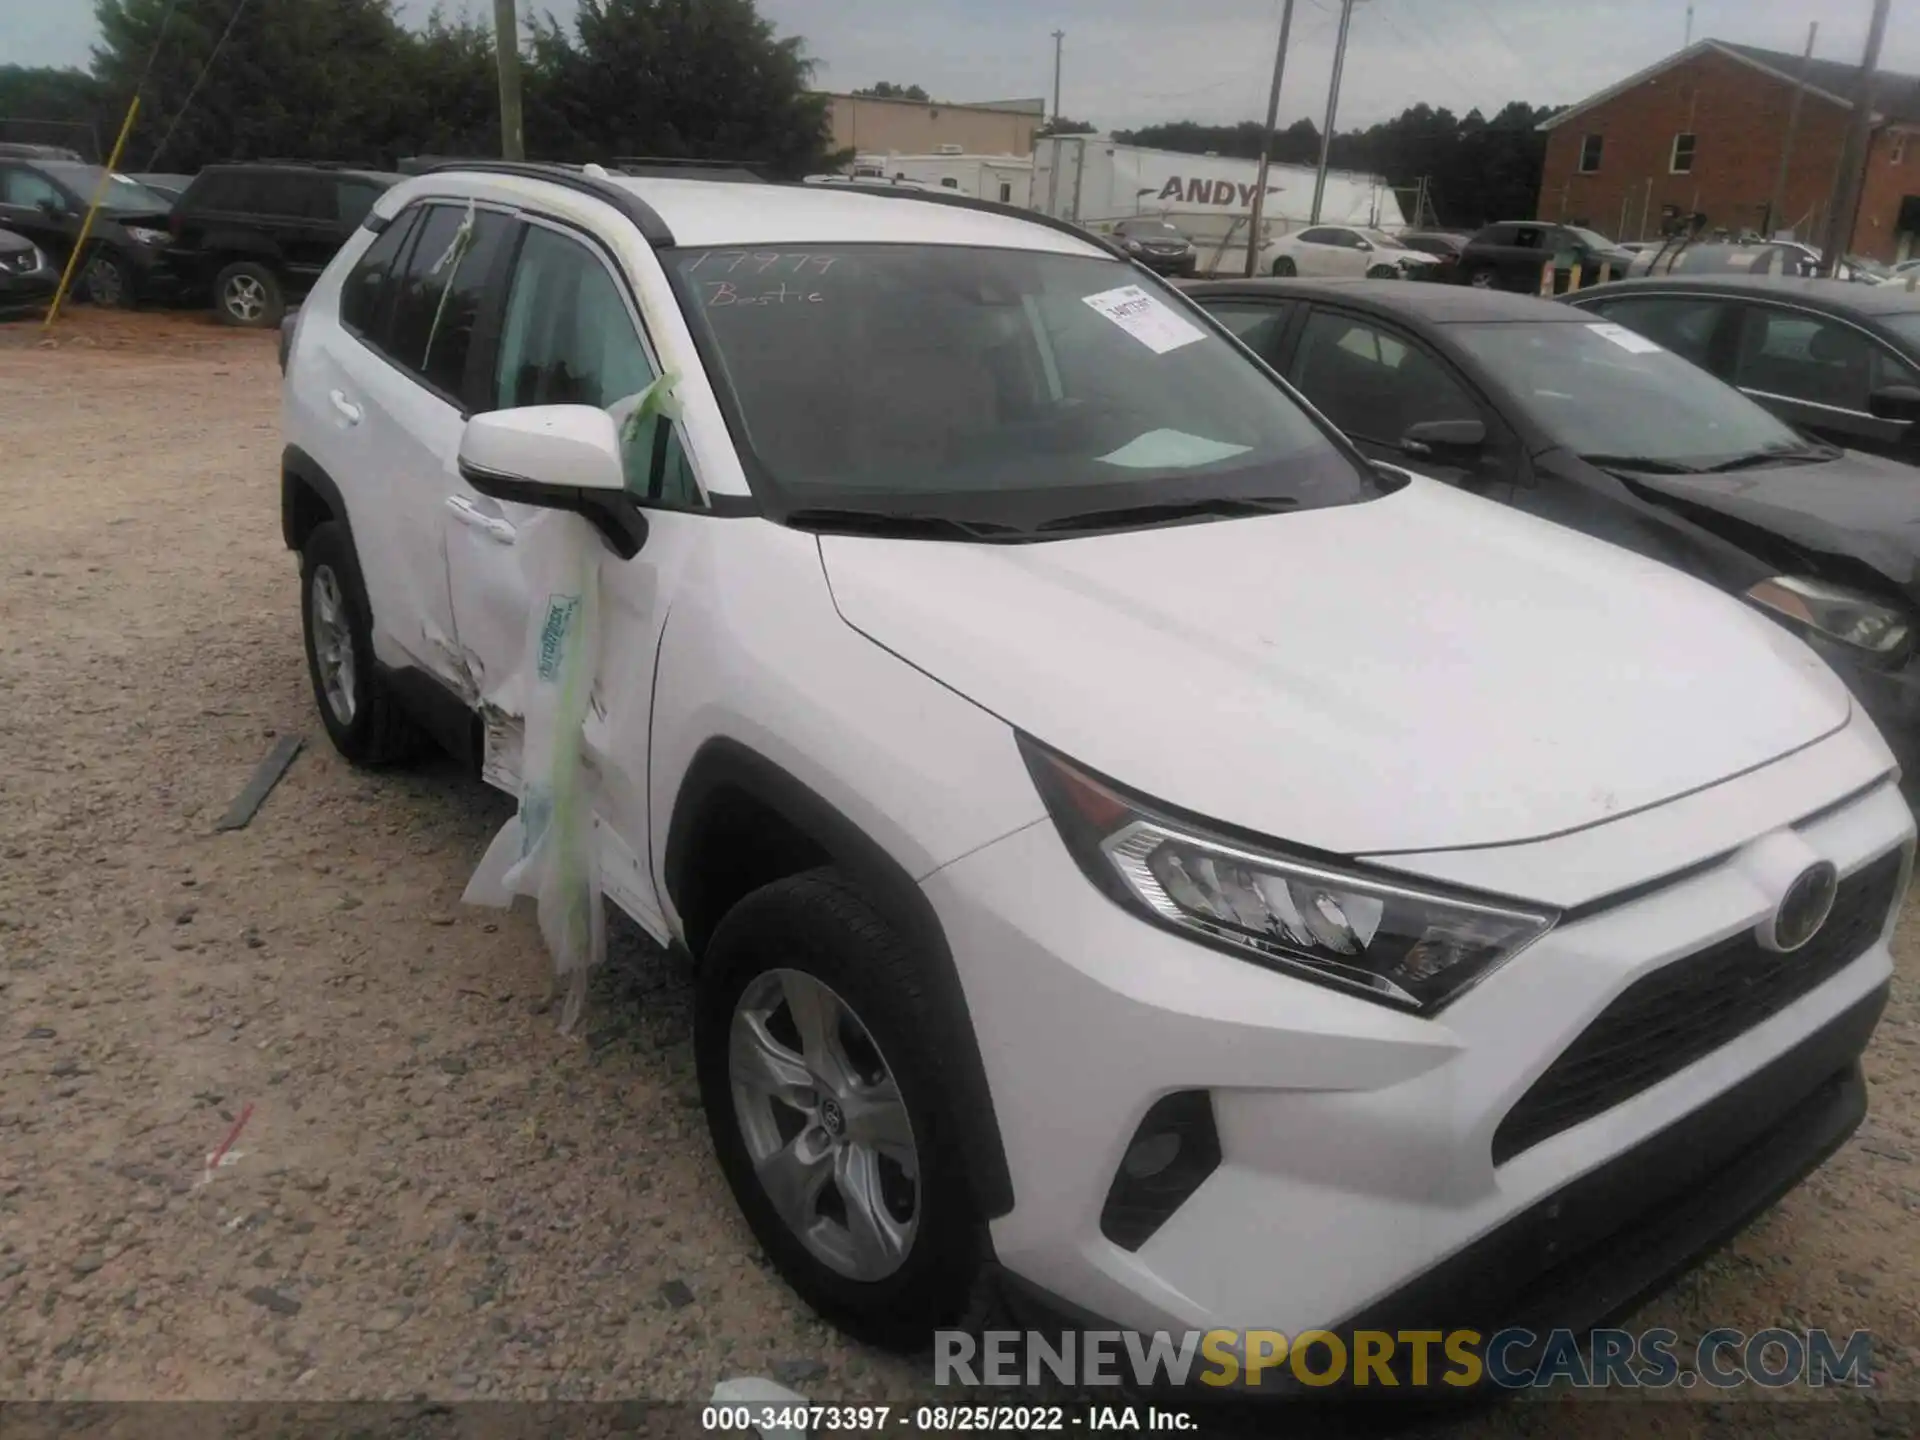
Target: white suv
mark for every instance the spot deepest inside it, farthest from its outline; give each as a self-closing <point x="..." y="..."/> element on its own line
<point x="1133" y="849"/>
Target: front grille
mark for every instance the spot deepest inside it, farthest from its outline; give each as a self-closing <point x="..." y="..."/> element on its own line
<point x="1665" y="1021"/>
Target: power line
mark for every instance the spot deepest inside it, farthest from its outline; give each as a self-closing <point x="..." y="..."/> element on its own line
<point x="187" y="103"/>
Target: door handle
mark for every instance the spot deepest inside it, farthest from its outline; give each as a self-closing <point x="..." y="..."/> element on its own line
<point x="348" y="411"/>
<point x="490" y="526"/>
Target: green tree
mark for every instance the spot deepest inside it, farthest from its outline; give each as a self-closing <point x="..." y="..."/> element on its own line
<point x="42" y="105"/>
<point x="320" y="79"/>
<point x="887" y="90"/>
<point x="679" y="79"/>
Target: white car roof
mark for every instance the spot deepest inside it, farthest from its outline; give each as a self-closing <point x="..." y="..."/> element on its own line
<point x="707" y="212"/>
<point x="726" y="213"/>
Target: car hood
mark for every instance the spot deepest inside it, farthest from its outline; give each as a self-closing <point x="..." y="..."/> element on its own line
<point x="12" y="244"/>
<point x="1860" y="506"/>
<point x="1420" y="672"/>
<point x="1418" y="257"/>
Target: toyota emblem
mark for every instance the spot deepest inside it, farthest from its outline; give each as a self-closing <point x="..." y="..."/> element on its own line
<point x="1803" y="909"/>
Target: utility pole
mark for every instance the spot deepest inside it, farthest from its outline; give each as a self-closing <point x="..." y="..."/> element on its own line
<point x="1854" y="154"/>
<point x="1059" y="38"/>
<point x="1333" y="106"/>
<point x="1266" y="141"/>
<point x="506" y="50"/>
<point x="1779" y="199"/>
<point x="1689" y="24"/>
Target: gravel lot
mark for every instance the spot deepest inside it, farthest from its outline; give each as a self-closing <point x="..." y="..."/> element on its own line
<point x="435" y="1194"/>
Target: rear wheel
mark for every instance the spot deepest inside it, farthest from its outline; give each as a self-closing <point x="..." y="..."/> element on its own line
<point x="824" y="1103"/>
<point x="362" y="718"/>
<point x="1284" y="267"/>
<point x="249" y="295"/>
<point x="1482" y="279"/>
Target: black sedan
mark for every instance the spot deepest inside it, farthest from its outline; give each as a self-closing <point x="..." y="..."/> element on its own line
<point x="1160" y="245"/>
<point x="26" y="279"/>
<point x="1586" y="423"/>
<point x="1512" y="255"/>
<point x="1838" y="359"/>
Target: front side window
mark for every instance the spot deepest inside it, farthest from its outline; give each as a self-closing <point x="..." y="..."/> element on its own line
<point x="1012" y="386"/>
<point x="354" y="198"/>
<point x="1815" y="359"/>
<point x="569" y="339"/>
<point x="28" y="188"/>
<point x="1681" y="162"/>
<point x="1605" y="393"/>
<point x="121" y="195"/>
<point x="1590" y="149"/>
<point x="1372" y="383"/>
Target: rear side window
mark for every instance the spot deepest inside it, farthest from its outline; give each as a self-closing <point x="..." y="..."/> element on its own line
<point x="363" y="296"/>
<point x="354" y="199"/>
<point x="288" y="195"/>
<point x="1257" y="325"/>
<point x="438" y="299"/>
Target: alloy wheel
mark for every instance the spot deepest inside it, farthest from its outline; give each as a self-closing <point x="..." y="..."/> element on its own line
<point x="245" y="298"/>
<point x="825" y="1125"/>
<point x="332" y="642"/>
<point x="104" y="285"/>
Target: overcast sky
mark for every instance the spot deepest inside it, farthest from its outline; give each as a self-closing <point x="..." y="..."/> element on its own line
<point x="1130" y="62"/>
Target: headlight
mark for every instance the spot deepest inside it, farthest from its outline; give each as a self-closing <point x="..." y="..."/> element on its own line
<point x="1402" y="945"/>
<point x="1834" y="612"/>
<point x="1133" y="247"/>
<point x="146" y="236"/>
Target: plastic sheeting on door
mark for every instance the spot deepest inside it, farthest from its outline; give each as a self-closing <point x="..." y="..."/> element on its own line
<point x="546" y="850"/>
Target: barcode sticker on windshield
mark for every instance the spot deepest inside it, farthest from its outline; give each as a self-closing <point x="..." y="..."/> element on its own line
<point x="1148" y="320"/>
<point x="1626" y="339"/>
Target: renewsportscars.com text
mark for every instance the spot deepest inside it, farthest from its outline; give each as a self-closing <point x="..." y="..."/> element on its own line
<point x="1461" y="1359"/>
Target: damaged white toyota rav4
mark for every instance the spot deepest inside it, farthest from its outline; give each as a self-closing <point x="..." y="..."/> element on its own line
<point x="1134" y="851"/>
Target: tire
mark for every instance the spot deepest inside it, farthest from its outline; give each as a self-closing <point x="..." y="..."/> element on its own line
<point x="772" y="957"/>
<point x="248" y="295"/>
<point x="363" y="719"/>
<point x="106" y="280"/>
<point x="1382" y="272"/>
<point x="1482" y="278"/>
<point x="1284" y="267"/>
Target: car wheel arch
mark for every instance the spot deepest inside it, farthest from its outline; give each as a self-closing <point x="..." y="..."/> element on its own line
<point x="730" y="794"/>
<point x="308" y="498"/>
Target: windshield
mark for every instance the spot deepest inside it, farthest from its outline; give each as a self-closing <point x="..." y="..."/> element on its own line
<point x="1592" y="239"/>
<point x="1008" y="386"/>
<point x="1149" y="227"/>
<point x="1380" y="237"/>
<point x="1601" y="389"/>
<point x="122" y="194"/>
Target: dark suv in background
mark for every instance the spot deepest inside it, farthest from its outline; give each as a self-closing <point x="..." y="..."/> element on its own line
<point x="251" y="237"/>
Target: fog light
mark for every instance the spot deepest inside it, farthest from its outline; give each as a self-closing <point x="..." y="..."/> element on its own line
<point x="1172" y="1152"/>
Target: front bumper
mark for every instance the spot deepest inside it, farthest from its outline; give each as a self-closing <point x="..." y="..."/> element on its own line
<point x="1356" y="1142"/>
<point x="1185" y="263"/>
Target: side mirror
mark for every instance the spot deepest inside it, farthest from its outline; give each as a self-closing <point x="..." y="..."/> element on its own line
<point x="558" y="457"/>
<point x="1366" y="245"/>
<point x="1900" y="403"/>
<point x="1429" y="436"/>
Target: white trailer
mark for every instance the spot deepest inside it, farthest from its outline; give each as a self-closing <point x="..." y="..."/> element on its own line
<point x="1094" y="181"/>
<point x="1007" y="179"/>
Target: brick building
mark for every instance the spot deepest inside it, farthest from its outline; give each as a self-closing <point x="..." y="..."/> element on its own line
<point x="1703" y="132"/>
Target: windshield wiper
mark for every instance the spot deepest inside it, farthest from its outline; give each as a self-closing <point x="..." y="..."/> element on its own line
<point x="1650" y="464"/>
<point x="1752" y="460"/>
<point x="1221" y="505"/>
<point x="897" y="524"/>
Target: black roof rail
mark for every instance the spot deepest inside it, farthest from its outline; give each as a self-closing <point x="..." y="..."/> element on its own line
<point x="990" y="207"/>
<point x="645" y="218"/>
<point x="667" y="167"/>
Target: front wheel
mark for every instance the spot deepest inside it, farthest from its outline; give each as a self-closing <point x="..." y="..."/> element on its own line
<point x="364" y="721"/>
<point x="1284" y="267"/>
<point x="823" y="1098"/>
<point x="1382" y="272"/>
<point x="1482" y="279"/>
<point x="107" y="281"/>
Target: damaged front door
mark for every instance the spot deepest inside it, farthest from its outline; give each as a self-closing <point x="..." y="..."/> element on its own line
<point x="568" y="336"/>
